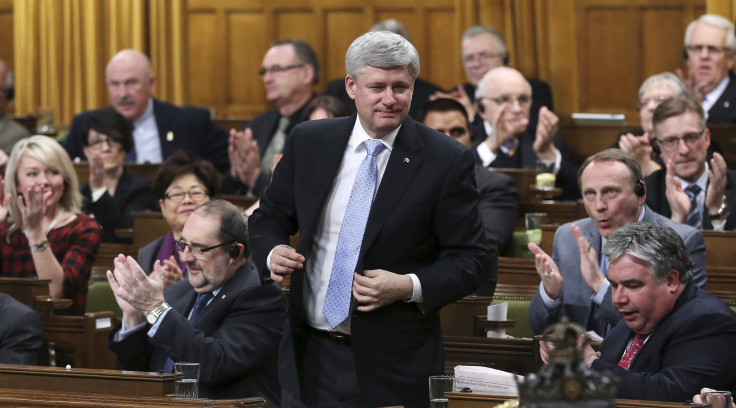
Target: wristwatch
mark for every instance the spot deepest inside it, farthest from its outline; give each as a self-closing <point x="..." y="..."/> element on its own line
<point x="723" y="211"/>
<point x="154" y="314"/>
<point x="40" y="246"/>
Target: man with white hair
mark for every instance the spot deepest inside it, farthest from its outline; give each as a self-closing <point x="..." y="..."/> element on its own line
<point x="159" y="128"/>
<point x="710" y="51"/>
<point x="10" y="130"/>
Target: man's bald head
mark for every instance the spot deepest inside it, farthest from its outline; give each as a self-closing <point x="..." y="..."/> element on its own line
<point x="504" y="88"/>
<point x="498" y="76"/>
<point x="130" y="83"/>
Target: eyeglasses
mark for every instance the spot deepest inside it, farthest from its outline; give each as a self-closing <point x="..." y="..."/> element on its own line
<point x="195" y="193"/>
<point x="657" y="99"/>
<point x="197" y="251"/>
<point x="710" y="49"/>
<point x="96" y="143"/>
<point x="278" y="68"/>
<point x="127" y="84"/>
<point x="483" y="56"/>
<point x="690" y="139"/>
<point x="522" y="100"/>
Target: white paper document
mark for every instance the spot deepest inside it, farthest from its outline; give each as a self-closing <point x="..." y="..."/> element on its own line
<point x="486" y="380"/>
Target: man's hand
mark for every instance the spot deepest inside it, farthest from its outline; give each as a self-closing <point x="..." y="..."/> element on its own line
<point x="547" y="270"/>
<point x="504" y="128"/>
<point x="284" y="260"/>
<point x="699" y="399"/>
<point x="694" y="88"/>
<point x="245" y="158"/>
<point x="717" y="177"/>
<point x="546" y="130"/>
<point x="460" y="96"/>
<point x="169" y="271"/>
<point x="136" y="293"/>
<point x="676" y="196"/>
<point x="378" y="288"/>
<point x="637" y="147"/>
<point x="589" y="355"/>
<point x="589" y="266"/>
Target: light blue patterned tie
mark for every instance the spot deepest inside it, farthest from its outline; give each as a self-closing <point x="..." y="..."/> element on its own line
<point x="337" y="300"/>
<point x="694" y="219"/>
<point x="199" y="304"/>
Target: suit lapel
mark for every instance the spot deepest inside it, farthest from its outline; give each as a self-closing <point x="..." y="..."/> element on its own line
<point x="402" y="165"/>
<point x="164" y="124"/>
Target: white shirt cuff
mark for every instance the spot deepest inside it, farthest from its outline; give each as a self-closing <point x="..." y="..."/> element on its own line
<point x="486" y="155"/>
<point x="601" y="294"/>
<point x="719" y="225"/>
<point x="123" y="332"/>
<point x="97" y="194"/>
<point x="549" y="303"/>
<point x="558" y="161"/>
<point x="154" y="328"/>
<point x="416" y="294"/>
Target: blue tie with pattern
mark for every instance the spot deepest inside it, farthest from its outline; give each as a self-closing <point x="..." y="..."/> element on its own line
<point x="694" y="218"/>
<point x="337" y="300"/>
<point x="199" y="304"/>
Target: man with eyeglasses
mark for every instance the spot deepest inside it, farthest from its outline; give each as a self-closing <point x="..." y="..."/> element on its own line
<point x="221" y="316"/>
<point x="710" y="47"/>
<point x="499" y="196"/>
<point x="159" y="128"/>
<point x="290" y="69"/>
<point x="10" y="130"/>
<point x="690" y="189"/>
<point x="505" y="141"/>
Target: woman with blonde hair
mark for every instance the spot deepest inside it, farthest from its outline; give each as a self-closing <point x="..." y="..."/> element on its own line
<point x="44" y="233"/>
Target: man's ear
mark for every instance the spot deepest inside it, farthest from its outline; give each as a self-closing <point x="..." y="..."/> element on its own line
<point x="350" y="86"/>
<point x="672" y="280"/>
<point x="309" y="75"/>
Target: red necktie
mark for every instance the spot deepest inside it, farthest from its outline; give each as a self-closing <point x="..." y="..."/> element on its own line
<point x="631" y="352"/>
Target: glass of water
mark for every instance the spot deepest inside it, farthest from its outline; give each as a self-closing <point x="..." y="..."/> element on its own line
<point x="187" y="380"/>
<point x="438" y="386"/>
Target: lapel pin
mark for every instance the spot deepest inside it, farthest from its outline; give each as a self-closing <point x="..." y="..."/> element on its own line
<point x="406" y="160"/>
<point x="170" y="136"/>
<point x="223" y="297"/>
<point x="726" y="104"/>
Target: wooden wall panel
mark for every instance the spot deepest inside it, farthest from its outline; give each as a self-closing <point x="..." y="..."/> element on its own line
<point x="204" y="64"/>
<point x="246" y="32"/>
<point x="438" y="65"/>
<point x="6" y="31"/>
<point x="349" y="24"/>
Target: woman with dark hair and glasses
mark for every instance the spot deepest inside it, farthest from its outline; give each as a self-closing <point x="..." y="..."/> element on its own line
<point x="112" y="193"/>
<point x="182" y="184"/>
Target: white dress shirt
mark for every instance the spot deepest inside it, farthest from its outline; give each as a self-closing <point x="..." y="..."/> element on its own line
<point x="146" y="139"/>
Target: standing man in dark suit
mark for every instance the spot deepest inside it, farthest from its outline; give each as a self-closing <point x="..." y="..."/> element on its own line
<point x="690" y="189"/>
<point x="499" y="197"/>
<point x="504" y="139"/>
<point x="674" y="338"/>
<point x="710" y="51"/>
<point x="573" y="280"/>
<point x="222" y="316"/>
<point x="159" y="128"/>
<point x="20" y="332"/>
<point x="290" y="69"/>
<point x="368" y="280"/>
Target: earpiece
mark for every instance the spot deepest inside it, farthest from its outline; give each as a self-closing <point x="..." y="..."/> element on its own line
<point x="506" y="59"/>
<point x="684" y="52"/>
<point x="481" y="107"/>
<point x="234" y="251"/>
<point x="9" y="88"/>
<point x="655" y="146"/>
<point x="9" y="93"/>
<point x="640" y="188"/>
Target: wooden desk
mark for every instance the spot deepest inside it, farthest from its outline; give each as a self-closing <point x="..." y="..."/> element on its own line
<point x="458" y="318"/>
<point x="558" y="212"/>
<point x="25" y="290"/>
<point x="517" y="271"/>
<point x="146" y="170"/>
<point x="470" y="400"/>
<point x="507" y="354"/>
<point x="226" y="123"/>
<point x="147" y="226"/>
<point x="80" y="341"/>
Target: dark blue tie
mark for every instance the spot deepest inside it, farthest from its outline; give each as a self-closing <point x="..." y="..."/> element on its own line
<point x="694" y="218"/>
<point x="337" y="299"/>
<point x="199" y="304"/>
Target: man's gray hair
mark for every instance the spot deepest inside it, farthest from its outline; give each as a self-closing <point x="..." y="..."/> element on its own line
<point x="477" y="30"/>
<point x="713" y="20"/>
<point x="657" y="245"/>
<point x="393" y="26"/>
<point x="233" y="222"/>
<point x="669" y="79"/>
<point x="381" y="49"/>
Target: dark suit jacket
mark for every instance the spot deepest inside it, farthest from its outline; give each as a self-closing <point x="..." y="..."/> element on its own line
<point x="147" y="254"/>
<point x="576" y="302"/>
<point x="235" y="338"/>
<point x="263" y="127"/>
<point x="191" y="126"/>
<point x="422" y="91"/>
<point x="20" y="332"/>
<point x="724" y="110"/>
<point x="567" y="177"/>
<point x="499" y="207"/>
<point x="424" y="220"/>
<point x="691" y="348"/>
<point x="133" y="193"/>
<point x="541" y="96"/>
<point x="657" y="198"/>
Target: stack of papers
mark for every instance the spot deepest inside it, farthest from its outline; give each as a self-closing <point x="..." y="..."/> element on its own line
<point x="486" y="380"/>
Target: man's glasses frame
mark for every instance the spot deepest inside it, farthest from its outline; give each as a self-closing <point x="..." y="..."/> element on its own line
<point x="275" y="69"/>
<point x="197" y="251"/>
<point x="197" y="194"/>
<point x="691" y="139"/>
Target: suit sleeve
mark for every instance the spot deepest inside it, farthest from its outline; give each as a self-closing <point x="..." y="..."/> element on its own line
<point x="245" y="337"/>
<point x="73" y="142"/>
<point x="213" y="142"/>
<point x="20" y="339"/>
<point x="463" y="263"/>
<point x="695" y="245"/>
<point x="499" y="208"/>
<point x="539" y="316"/>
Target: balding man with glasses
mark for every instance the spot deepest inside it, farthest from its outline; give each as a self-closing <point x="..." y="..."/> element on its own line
<point x="710" y="47"/>
<point x="690" y="189"/>
<point x="289" y="70"/>
<point x="505" y="141"/>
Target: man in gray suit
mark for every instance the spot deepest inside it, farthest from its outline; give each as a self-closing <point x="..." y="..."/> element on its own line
<point x="574" y="279"/>
<point x="20" y="333"/>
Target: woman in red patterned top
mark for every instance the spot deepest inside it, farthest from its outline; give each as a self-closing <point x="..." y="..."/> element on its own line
<point x="45" y="236"/>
